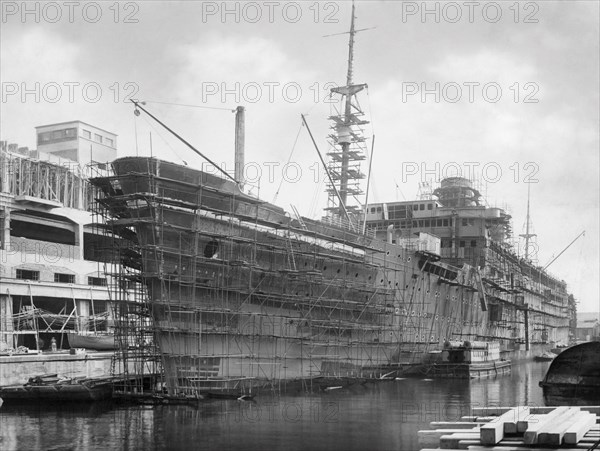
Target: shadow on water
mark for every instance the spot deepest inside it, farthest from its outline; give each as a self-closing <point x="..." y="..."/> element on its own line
<point x="382" y="415"/>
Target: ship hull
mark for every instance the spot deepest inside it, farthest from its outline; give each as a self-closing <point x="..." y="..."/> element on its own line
<point x="241" y="293"/>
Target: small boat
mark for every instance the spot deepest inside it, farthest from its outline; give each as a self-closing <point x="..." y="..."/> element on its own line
<point x="573" y="377"/>
<point x="95" y="341"/>
<point x="51" y="387"/>
<point x="468" y="361"/>
<point x="545" y="357"/>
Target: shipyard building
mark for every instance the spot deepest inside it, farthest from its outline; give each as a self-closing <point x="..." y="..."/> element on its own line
<point x="53" y="287"/>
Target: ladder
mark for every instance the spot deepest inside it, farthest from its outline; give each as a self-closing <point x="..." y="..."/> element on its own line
<point x="290" y="251"/>
<point x="298" y="217"/>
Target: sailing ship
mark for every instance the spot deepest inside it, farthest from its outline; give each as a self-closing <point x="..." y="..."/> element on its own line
<point x="235" y="291"/>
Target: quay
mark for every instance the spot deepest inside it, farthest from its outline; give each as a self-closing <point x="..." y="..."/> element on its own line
<point x="516" y="429"/>
<point x="18" y="368"/>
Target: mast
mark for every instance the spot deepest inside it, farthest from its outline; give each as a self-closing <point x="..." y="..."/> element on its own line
<point x="527" y="235"/>
<point x="346" y="140"/>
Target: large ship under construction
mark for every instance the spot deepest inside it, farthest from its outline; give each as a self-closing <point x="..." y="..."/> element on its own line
<point x="218" y="289"/>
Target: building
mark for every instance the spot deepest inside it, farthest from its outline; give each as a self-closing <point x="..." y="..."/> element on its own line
<point x="77" y="141"/>
<point x="588" y="327"/>
<point x="52" y="279"/>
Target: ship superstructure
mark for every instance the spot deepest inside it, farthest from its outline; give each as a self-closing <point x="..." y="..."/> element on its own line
<point x="527" y="306"/>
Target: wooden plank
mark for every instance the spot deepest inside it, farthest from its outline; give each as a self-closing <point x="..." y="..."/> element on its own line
<point x="531" y="434"/>
<point x="577" y="431"/>
<point x="476" y="418"/>
<point x="452" y="440"/>
<point x="493" y="432"/>
<point x="518" y="448"/>
<point x="454" y="425"/>
<point x="523" y="424"/>
<point x="465" y="444"/>
<point x="543" y="410"/>
<point x="432" y="438"/>
<point x="488" y="411"/>
<point x="552" y="433"/>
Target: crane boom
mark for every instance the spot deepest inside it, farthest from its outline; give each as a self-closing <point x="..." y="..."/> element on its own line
<point x="562" y="252"/>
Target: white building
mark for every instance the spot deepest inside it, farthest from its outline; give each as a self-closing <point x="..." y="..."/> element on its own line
<point x="77" y="141"/>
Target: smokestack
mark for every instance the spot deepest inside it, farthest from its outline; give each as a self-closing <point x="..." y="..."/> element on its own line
<point x="239" y="144"/>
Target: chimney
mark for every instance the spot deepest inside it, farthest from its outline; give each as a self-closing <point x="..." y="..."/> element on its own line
<point x="239" y="144"/>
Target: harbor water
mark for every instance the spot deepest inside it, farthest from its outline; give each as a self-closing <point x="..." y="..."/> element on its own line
<point x="374" y="416"/>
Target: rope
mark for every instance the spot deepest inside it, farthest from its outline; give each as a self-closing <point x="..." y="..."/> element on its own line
<point x="191" y="106"/>
<point x="288" y="161"/>
<point x="164" y="140"/>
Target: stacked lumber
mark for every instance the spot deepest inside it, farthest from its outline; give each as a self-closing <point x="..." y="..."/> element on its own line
<point x="516" y="429"/>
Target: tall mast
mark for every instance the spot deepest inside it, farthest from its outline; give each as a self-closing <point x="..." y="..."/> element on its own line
<point x="527" y="235"/>
<point x="347" y="140"/>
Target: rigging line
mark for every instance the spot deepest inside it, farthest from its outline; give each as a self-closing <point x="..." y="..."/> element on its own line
<point x="190" y="106"/>
<point x="327" y="171"/>
<point x="137" y="105"/>
<point x="314" y="201"/>
<point x="288" y="161"/>
<point x="164" y="140"/>
<point x="137" y="153"/>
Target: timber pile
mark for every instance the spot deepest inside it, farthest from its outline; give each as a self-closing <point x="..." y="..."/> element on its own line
<point x="516" y="429"/>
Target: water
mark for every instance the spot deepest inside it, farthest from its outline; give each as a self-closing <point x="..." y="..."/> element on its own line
<point x="376" y="416"/>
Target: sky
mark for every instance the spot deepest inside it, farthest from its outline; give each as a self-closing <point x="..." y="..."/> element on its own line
<point x="502" y="92"/>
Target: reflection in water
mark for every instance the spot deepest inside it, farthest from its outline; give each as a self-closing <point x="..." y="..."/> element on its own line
<point x="385" y="415"/>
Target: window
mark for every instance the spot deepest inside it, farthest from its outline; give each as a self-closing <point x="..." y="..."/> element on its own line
<point x="422" y="207"/>
<point x="473" y="243"/>
<point x="427" y="223"/>
<point x="378" y="209"/>
<point x="429" y="206"/>
<point x="415" y="207"/>
<point x="25" y="274"/>
<point x="109" y="142"/>
<point x="97" y="281"/>
<point x="445" y="223"/>
<point x="465" y="222"/>
<point x="439" y="223"/>
<point x="372" y="209"/>
<point x="462" y="244"/>
<point x="87" y="134"/>
<point x="64" y="278"/>
<point x="97" y="137"/>
<point x="420" y="223"/>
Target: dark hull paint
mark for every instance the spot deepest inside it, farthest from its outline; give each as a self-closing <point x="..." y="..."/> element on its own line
<point x="573" y="378"/>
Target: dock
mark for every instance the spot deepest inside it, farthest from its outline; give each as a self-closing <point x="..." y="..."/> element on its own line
<point x="517" y="428"/>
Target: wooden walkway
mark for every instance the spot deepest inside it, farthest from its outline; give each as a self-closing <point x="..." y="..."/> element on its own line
<point x="517" y="429"/>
